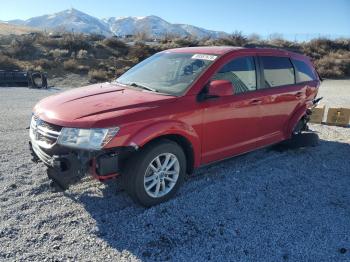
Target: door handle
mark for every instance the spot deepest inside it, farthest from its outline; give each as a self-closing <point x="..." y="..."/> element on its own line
<point x="255" y="102"/>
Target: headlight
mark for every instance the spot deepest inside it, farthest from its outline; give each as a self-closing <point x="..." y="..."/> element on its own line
<point x="93" y="139"/>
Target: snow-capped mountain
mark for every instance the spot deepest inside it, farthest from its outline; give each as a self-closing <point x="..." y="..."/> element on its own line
<point x="67" y="20"/>
<point x="201" y="32"/>
<point x="77" y="21"/>
<point x="152" y="25"/>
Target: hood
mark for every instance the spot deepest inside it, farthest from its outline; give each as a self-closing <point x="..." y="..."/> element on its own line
<point x="84" y="106"/>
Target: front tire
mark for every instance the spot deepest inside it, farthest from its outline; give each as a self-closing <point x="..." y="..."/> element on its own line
<point x="155" y="173"/>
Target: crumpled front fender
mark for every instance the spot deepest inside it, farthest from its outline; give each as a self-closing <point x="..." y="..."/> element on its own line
<point x="165" y="128"/>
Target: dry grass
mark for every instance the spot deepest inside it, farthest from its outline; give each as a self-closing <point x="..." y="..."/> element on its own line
<point x="104" y="58"/>
<point x="43" y="64"/>
<point x="141" y="51"/>
<point x="114" y="43"/>
<point x="334" y="65"/>
<point x="58" y="53"/>
<point x="7" y="63"/>
<point x="72" y="65"/>
<point x="98" y="75"/>
<point x="71" y="42"/>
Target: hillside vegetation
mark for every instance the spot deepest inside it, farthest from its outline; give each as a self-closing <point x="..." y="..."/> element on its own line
<point x="6" y="29"/>
<point x="106" y="58"/>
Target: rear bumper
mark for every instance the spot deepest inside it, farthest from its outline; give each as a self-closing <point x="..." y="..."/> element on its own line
<point x="67" y="166"/>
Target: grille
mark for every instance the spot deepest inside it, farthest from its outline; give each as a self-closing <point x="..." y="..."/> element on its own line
<point x="50" y="126"/>
<point x="42" y="133"/>
<point x="47" y="140"/>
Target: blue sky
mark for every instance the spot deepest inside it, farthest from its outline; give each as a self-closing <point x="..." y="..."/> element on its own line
<point x="291" y="18"/>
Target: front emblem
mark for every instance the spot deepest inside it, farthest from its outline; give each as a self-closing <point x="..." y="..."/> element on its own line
<point x="38" y="122"/>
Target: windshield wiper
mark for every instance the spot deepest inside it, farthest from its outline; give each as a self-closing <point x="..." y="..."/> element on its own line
<point x="143" y="87"/>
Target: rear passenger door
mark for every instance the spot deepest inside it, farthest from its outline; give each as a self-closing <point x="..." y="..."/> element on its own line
<point x="279" y="96"/>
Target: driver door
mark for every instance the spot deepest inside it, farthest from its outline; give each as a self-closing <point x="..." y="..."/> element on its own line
<point x="230" y="124"/>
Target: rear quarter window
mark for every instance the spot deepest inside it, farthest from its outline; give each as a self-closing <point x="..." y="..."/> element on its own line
<point x="278" y="71"/>
<point x="304" y="71"/>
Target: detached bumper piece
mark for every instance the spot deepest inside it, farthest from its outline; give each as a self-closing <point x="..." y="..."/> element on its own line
<point x="67" y="170"/>
<point x="71" y="166"/>
<point x="32" y="79"/>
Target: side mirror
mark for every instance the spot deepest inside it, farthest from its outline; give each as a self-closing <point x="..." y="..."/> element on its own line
<point x="220" y="88"/>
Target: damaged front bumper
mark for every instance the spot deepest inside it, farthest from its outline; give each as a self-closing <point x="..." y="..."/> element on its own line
<point x="67" y="166"/>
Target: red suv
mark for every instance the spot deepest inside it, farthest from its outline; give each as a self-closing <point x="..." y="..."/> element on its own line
<point x="175" y="111"/>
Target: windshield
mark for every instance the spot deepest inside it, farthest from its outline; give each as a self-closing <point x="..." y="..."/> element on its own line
<point x="170" y="73"/>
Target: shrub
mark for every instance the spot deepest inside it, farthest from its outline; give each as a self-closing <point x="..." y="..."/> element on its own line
<point x="95" y="37"/>
<point x="82" y="54"/>
<point x="140" y="51"/>
<point x="21" y="47"/>
<point x="110" y="56"/>
<point x="114" y="43"/>
<point x="71" y="65"/>
<point x="335" y="64"/>
<point x="69" y="41"/>
<point x="57" y="53"/>
<point x="184" y="42"/>
<point x="74" y="42"/>
<point x="43" y="64"/>
<point x="121" y="70"/>
<point x="238" y="39"/>
<point x="98" y="75"/>
<point x="320" y="47"/>
<point x="254" y="37"/>
<point x="7" y="63"/>
<point x="235" y="39"/>
<point x="46" y="41"/>
<point x="119" y="63"/>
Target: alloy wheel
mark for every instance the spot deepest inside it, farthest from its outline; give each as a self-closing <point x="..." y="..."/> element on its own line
<point x="161" y="175"/>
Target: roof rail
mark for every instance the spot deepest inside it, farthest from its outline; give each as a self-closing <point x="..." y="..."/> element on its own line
<point x="292" y="49"/>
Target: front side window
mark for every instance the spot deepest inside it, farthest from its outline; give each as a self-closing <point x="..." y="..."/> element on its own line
<point x="278" y="71"/>
<point x="170" y="73"/>
<point x="304" y="71"/>
<point x="241" y="72"/>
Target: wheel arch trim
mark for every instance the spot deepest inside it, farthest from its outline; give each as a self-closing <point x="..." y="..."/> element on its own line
<point x="171" y="130"/>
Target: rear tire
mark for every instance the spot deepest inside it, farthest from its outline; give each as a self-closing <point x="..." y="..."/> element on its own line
<point x="154" y="174"/>
<point x="304" y="139"/>
<point x="300" y="140"/>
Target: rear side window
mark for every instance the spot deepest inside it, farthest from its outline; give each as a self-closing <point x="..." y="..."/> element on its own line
<point x="278" y="71"/>
<point x="241" y="72"/>
<point x="305" y="73"/>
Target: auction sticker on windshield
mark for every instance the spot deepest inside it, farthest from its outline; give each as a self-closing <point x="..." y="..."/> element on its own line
<point x="204" y="57"/>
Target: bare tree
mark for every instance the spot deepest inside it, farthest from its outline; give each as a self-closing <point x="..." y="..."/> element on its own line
<point x="144" y="34"/>
<point x="275" y="36"/>
<point x="254" y="37"/>
<point x="238" y="38"/>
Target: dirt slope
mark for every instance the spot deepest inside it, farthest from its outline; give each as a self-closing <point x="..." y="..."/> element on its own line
<point x="7" y="29"/>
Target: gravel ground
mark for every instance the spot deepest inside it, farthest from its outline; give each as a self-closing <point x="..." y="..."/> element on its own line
<point x="262" y="206"/>
<point x="335" y="93"/>
<point x="69" y="80"/>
